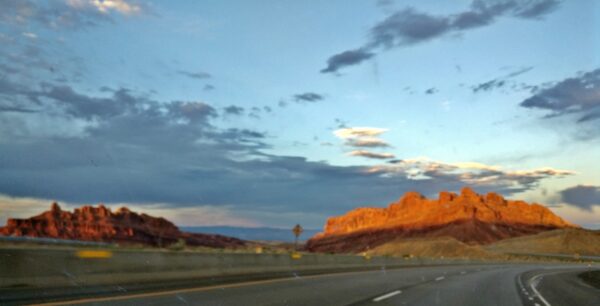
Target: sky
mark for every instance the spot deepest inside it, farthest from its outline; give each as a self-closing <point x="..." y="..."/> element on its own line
<point x="272" y="113"/>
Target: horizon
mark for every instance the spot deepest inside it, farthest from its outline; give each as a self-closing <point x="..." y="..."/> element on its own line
<point x="116" y="208"/>
<point x="244" y="115"/>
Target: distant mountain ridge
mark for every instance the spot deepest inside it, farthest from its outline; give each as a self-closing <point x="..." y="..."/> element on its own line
<point x="90" y="223"/>
<point x="468" y="217"/>
<point x="253" y="233"/>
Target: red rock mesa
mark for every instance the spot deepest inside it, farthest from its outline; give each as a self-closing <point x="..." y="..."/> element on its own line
<point x="468" y="217"/>
<point x="100" y="224"/>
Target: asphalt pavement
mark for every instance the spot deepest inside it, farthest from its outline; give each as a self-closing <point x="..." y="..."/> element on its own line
<point x="535" y="285"/>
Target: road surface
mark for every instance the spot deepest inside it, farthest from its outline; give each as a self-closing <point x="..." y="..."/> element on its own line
<point x="535" y="285"/>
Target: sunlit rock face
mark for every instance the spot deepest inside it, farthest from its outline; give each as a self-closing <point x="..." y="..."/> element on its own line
<point x="100" y="224"/>
<point x="468" y="217"/>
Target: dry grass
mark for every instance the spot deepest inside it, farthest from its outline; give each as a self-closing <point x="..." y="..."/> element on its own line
<point x="439" y="247"/>
<point x="566" y="241"/>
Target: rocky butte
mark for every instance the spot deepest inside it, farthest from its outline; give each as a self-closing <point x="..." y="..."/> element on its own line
<point x="100" y="224"/>
<point x="468" y="217"/>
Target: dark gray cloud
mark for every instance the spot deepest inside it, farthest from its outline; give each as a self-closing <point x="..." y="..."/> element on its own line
<point x="208" y="87"/>
<point x="431" y="91"/>
<point x="577" y="95"/>
<point x="409" y="26"/>
<point x="195" y="75"/>
<point x="347" y="58"/>
<point x="194" y="112"/>
<point x="308" y="97"/>
<point x="138" y="150"/>
<point x="582" y="196"/>
<point x="371" y="155"/>
<point x="15" y="109"/>
<point x="489" y="85"/>
<point x="234" y="110"/>
<point x="255" y="112"/>
<point x="502" y="81"/>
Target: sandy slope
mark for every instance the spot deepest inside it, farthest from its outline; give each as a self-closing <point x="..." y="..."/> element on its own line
<point x="563" y="241"/>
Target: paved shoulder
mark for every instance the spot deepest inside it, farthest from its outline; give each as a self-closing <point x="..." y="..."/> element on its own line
<point x="558" y="287"/>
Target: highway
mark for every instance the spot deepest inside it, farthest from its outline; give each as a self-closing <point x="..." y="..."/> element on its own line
<point x="535" y="285"/>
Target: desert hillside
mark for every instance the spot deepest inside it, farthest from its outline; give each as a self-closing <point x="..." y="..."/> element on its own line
<point x="436" y="247"/>
<point x="563" y="241"/>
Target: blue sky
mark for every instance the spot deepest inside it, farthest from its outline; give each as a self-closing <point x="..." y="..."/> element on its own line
<point x="278" y="112"/>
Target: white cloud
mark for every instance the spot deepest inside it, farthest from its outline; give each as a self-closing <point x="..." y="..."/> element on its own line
<point x="105" y="6"/>
<point x="445" y="105"/>
<point x="30" y="35"/>
<point x="469" y="172"/>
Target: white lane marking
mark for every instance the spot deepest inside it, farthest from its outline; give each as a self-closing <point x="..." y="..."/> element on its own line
<point x="533" y="283"/>
<point x="437" y="279"/>
<point x="386" y="296"/>
<point x="463" y="272"/>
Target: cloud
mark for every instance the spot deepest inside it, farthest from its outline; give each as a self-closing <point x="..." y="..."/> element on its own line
<point x="489" y="85"/>
<point x="195" y="75"/>
<point x="409" y="27"/>
<point x="30" y="35"/>
<point x="354" y="132"/>
<point x="15" y="109"/>
<point x="372" y="155"/>
<point x="106" y="6"/>
<point x="431" y="91"/>
<point x="500" y="81"/>
<point x="582" y="196"/>
<point x="472" y="173"/>
<point x="192" y="111"/>
<point x="367" y="142"/>
<point x="308" y="97"/>
<point x="234" y="110"/>
<point x="125" y="147"/>
<point x="69" y="14"/>
<point x="536" y="9"/>
<point x="576" y="95"/>
<point x="347" y="58"/>
<point x="362" y="137"/>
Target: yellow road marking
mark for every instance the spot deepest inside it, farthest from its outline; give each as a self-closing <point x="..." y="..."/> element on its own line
<point x="93" y="254"/>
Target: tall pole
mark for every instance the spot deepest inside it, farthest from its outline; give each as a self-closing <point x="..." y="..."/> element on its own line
<point x="297" y="231"/>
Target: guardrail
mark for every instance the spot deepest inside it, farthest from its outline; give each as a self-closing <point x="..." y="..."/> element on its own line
<point x="43" y="268"/>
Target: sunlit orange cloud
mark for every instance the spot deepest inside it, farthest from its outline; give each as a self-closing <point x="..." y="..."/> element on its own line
<point x="354" y="132"/>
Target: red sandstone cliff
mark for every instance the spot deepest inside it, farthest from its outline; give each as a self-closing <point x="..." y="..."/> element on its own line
<point x="468" y="217"/>
<point x="101" y="224"/>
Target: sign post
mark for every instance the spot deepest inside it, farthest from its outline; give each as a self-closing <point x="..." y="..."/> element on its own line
<point x="297" y="231"/>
